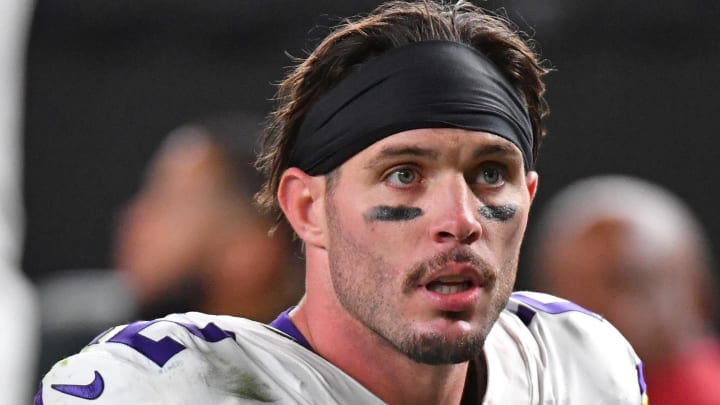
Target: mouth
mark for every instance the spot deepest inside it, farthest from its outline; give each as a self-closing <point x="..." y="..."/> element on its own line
<point x="458" y="281"/>
<point x="450" y="285"/>
<point x="456" y="289"/>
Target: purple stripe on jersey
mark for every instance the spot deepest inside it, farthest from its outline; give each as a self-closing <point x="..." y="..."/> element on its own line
<point x="641" y="378"/>
<point x="38" y="397"/>
<point x="285" y="324"/>
<point x="554" y="307"/>
<point x="525" y="314"/>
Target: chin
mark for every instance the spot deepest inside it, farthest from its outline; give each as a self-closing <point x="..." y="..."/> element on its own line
<point x="444" y="347"/>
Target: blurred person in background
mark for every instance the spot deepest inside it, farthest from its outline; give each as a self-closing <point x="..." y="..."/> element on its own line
<point x="192" y="239"/>
<point x="18" y="298"/>
<point x="634" y="253"/>
<point x="189" y="240"/>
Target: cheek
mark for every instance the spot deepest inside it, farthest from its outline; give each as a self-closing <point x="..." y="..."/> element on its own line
<point x="392" y="242"/>
<point x="505" y="214"/>
<point x="510" y="233"/>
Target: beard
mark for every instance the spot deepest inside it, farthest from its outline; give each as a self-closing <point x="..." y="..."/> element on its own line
<point x="365" y="286"/>
<point x="434" y="348"/>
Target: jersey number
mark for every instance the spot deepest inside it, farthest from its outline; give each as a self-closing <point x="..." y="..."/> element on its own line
<point x="162" y="350"/>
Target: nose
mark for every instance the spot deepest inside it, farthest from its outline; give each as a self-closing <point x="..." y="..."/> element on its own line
<point x="456" y="209"/>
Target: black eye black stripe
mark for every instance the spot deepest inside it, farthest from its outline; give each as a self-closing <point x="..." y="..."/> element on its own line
<point x="387" y="213"/>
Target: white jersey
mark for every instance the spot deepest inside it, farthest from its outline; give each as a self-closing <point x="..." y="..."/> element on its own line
<point x="542" y="350"/>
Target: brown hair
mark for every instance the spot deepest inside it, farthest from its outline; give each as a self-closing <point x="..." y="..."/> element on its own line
<point x="393" y="25"/>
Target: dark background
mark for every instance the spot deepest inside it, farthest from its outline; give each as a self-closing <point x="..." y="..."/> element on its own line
<point x="636" y="91"/>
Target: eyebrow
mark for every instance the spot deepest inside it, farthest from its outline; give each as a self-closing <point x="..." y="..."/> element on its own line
<point x="495" y="150"/>
<point x="399" y="151"/>
<point x="479" y="153"/>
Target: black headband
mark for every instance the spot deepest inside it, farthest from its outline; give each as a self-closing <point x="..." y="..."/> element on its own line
<point x="430" y="84"/>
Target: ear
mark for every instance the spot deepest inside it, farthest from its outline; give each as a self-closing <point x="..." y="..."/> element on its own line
<point x="531" y="180"/>
<point x="301" y="198"/>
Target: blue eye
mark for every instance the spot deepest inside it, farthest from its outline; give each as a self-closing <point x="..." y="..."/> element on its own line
<point x="402" y="176"/>
<point x="491" y="176"/>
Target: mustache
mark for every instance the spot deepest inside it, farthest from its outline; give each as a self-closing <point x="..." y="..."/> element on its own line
<point x="462" y="254"/>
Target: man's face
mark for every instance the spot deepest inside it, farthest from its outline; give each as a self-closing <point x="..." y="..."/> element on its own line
<point x="425" y="228"/>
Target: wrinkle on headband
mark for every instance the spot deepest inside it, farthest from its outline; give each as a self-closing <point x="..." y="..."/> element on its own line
<point x="430" y="84"/>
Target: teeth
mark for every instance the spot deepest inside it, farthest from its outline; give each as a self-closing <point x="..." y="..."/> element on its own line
<point x="448" y="288"/>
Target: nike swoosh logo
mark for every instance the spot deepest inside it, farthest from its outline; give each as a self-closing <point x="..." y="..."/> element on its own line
<point x="88" y="391"/>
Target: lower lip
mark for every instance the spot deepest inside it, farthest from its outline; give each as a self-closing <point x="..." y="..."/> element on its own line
<point x="457" y="302"/>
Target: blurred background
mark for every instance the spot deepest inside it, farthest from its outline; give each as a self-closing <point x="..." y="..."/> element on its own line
<point x="635" y="92"/>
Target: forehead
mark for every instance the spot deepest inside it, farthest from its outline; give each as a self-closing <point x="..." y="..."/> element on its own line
<point x="447" y="143"/>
